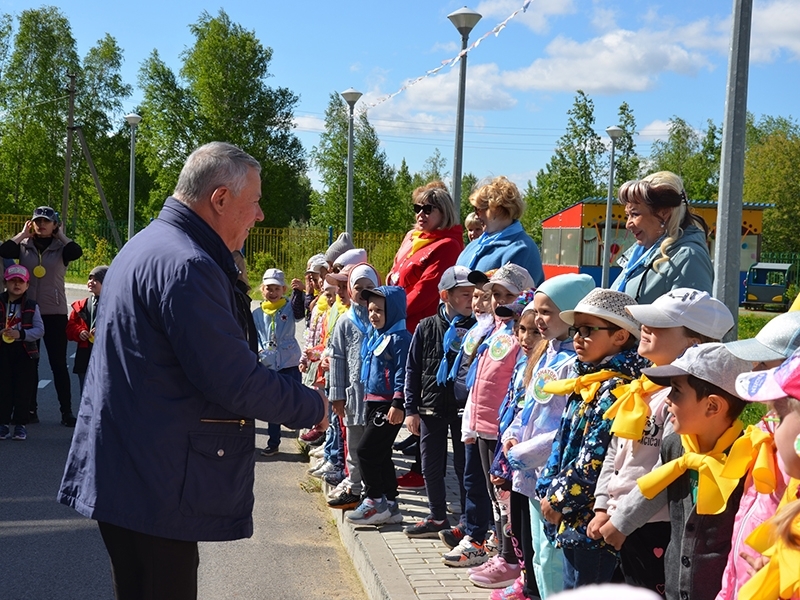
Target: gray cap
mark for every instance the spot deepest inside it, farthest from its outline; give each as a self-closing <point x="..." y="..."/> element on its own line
<point x="713" y="363"/>
<point x="454" y="277"/>
<point x="777" y="340"/>
<point x="99" y="273"/>
<point x="342" y="244"/>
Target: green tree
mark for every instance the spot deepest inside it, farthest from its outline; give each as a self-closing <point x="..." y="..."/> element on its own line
<point x="770" y="175"/>
<point x="222" y="94"/>
<point x="34" y="108"/>
<point x="573" y="173"/>
<point x="627" y="163"/>
<point x="692" y="155"/>
<point x="377" y="206"/>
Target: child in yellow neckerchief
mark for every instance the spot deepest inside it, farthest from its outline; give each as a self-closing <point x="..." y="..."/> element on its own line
<point x="278" y="348"/>
<point x="676" y="321"/>
<point x="704" y="408"/>
<point x="778" y="540"/>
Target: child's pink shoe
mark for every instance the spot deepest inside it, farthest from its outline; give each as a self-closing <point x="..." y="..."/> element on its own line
<point x="512" y="592"/>
<point x="479" y="568"/>
<point x="499" y="574"/>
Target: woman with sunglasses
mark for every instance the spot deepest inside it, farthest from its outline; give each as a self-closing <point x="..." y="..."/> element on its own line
<point x="43" y="248"/>
<point x="430" y="248"/>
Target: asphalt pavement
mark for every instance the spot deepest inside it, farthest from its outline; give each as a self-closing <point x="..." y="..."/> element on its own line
<point x="49" y="551"/>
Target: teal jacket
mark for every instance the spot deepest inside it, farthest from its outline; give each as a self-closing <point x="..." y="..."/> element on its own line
<point x="689" y="266"/>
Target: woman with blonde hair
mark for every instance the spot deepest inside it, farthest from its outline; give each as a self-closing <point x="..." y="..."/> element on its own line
<point x="670" y="250"/>
<point x="499" y="205"/>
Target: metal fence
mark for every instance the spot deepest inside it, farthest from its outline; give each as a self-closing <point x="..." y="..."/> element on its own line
<point x="782" y="257"/>
<point x="287" y="249"/>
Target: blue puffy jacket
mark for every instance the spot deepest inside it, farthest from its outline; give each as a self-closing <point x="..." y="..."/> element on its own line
<point x="165" y="439"/>
<point x="387" y="362"/>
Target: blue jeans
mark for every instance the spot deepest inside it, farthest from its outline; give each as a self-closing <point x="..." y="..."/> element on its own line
<point x="333" y="449"/>
<point x="274" y="429"/>
<point x="477" y="502"/>
<point x="585" y="567"/>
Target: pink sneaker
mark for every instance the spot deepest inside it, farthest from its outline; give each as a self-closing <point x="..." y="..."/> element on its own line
<point x="499" y="574"/>
<point x="479" y="568"/>
<point x="512" y="592"/>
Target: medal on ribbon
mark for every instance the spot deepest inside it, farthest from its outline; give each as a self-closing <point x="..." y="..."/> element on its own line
<point x="39" y="271"/>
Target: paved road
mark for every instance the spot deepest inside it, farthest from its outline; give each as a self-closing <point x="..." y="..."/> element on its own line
<point x="49" y="551"/>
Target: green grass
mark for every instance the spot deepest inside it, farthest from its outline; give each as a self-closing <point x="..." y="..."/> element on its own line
<point x="749" y="326"/>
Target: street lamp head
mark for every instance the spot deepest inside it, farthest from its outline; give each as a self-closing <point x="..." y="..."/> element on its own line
<point x="133" y="119"/>
<point x="464" y="20"/>
<point x="615" y="132"/>
<point x="351" y="96"/>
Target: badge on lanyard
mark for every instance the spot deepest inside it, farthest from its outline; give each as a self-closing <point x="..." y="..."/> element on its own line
<point x="501" y="346"/>
<point x="455" y="346"/>
<point x="543" y="376"/>
<point x="471" y="343"/>
<point x="382" y="346"/>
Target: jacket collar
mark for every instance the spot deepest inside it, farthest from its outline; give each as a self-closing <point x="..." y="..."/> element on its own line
<point x="178" y="214"/>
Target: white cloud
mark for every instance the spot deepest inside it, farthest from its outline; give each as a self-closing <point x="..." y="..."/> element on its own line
<point x="603" y="19"/>
<point x="450" y="48"/>
<point x="653" y="131"/>
<point x="776" y="29"/>
<point x="618" y="61"/>
<point x="309" y="123"/>
<point x="536" y="18"/>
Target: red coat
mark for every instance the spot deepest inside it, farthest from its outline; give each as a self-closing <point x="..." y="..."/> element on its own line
<point x="419" y="274"/>
<point x="76" y="323"/>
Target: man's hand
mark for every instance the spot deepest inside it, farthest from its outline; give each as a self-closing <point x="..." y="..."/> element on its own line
<point x="612" y="535"/>
<point x="337" y="406"/>
<point x="593" y="529"/>
<point x="550" y="514"/>
<point x="395" y="416"/>
<point x="84" y="335"/>
<point x="412" y="424"/>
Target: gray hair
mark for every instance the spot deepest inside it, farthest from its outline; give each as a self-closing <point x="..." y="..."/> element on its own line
<point x="210" y="166"/>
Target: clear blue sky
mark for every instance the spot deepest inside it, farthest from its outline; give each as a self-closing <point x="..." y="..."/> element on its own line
<point x="663" y="59"/>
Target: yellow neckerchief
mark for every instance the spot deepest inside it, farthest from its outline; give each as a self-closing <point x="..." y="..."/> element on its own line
<point x="585" y="385"/>
<point x="630" y="411"/>
<point x="713" y="490"/>
<point x="418" y="242"/>
<point x="272" y="307"/>
<point x="753" y="453"/>
<point x="780" y="577"/>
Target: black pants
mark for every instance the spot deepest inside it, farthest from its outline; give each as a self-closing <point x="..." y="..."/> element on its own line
<point x="375" y="453"/>
<point x="642" y="556"/>
<point x="146" y="567"/>
<point x="55" y="340"/>
<point x="18" y="377"/>
<point x="433" y="447"/>
<point x="521" y="526"/>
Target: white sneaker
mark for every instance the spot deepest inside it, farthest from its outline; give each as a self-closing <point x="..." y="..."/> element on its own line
<point x="327" y="467"/>
<point x="338" y="490"/>
<point x="315" y="465"/>
<point x="317" y="452"/>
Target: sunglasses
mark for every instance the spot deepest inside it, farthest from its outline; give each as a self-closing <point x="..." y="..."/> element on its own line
<point x="46" y="212"/>
<point x="426" y="208"/>
<point x="585" y="331"/>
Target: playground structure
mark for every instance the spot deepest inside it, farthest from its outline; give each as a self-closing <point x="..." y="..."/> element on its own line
<point x="572" y="239"/>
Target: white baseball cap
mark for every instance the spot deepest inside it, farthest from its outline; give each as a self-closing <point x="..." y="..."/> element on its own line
<point x="777" y="340"/>
<point x="712" y="362"/>
<point x="273" y="277"/>
<point x="685" y="307"/>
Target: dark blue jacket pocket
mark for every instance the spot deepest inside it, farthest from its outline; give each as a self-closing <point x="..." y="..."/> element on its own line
<point x="219" y="475"/>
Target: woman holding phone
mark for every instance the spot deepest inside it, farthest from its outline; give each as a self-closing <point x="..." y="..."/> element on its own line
<point x="43" y="248"/>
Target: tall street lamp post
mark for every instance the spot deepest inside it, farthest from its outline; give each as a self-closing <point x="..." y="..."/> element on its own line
<point x="614" y="133"/>
<point x="350" y="96"/>
<point x="133" y="120"/>
<point x="464" y="21"/>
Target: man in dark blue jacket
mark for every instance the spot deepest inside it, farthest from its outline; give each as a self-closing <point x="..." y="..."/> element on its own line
<point x="164" y="449"/>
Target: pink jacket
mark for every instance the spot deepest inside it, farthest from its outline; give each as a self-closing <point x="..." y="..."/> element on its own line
<point x="494" y="371"/>
<point x="754" y="509"/>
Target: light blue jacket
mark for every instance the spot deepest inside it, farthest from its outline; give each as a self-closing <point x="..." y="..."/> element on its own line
<point x="511" y="245"/>
<point x="277" y="345"/>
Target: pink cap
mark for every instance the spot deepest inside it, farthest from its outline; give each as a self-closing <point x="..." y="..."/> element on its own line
<point x="17" y="272"/>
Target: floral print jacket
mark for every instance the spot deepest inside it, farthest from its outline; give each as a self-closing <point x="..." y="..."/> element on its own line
<point x="568" y="480"/>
